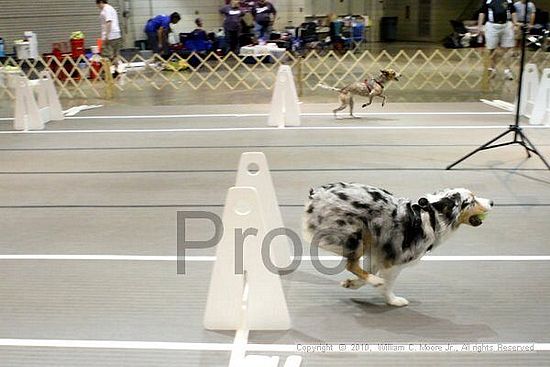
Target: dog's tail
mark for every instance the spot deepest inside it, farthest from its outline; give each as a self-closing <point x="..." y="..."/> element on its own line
<point x="324" y="86"/>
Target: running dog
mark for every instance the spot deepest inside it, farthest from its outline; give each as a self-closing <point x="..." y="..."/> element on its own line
<point x="373" y="87"/>
<point x="354" y="221"/>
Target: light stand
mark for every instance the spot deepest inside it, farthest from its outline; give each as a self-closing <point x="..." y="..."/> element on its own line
<point x="519" y="136"/>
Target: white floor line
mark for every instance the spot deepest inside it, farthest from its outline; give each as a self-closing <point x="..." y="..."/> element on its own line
<point x="220" y="347"/>
<point x="240" y="115"/>
<point x="213" y="258"/>
<point x="241" y="129"/>
<point x="114" y="344"/>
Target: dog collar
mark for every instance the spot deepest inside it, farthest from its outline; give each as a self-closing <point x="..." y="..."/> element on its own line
<point x="431" y="212"/>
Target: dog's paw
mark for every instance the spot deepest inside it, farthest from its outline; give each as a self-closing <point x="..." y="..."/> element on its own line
<point x="397" y="301"/>
<point x="375" y="281"/>
<point x="353" y="283"/>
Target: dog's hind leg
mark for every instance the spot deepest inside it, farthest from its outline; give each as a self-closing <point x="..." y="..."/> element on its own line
<point x="351" y="103"/>
<point x="390" y="275"/>
<point x="344" y="101"/>
<point x="364" y="276"/>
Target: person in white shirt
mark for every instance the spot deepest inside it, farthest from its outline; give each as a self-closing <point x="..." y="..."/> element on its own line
<point x="110" y="30"/>
<point x="521" y="6"/>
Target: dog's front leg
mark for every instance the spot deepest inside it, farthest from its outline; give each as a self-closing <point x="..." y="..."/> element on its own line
<point x="371" y="97"/>
<point x="390" y="275"/>
<point x="363" y="277"/>
<point x="383" y="99"/>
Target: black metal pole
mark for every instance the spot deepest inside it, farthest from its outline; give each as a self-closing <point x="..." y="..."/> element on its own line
<point x="522" y="63"/>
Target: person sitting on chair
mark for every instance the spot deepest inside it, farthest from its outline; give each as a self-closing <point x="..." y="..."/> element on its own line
<point x="199" y="32"/>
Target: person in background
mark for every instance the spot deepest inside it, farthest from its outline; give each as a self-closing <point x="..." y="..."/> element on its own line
<point x="157" y="30"/>
<point x="232" y="24"/>
<point x="521" y="6"/>
<point x="264" y="15"/>
<point x="198" y="40"/>
<point x="499" y="30"/>
<point x="520" y="12"/>
<point x="110" y="31"/>
<point x="335" y="32"/>
<point x="199" y="32"/>
<point x="520" y="15"/>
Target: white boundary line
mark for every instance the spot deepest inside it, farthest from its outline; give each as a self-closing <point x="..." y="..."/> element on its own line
<point x="219" y="347"/>
<point x="213" y="258"/>
<point x="233" y="129"/>
<point x="240" y="115"/>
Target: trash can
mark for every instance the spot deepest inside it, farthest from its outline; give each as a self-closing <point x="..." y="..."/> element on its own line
<point x="388" y="29"/>
<point x="22" y="50"/>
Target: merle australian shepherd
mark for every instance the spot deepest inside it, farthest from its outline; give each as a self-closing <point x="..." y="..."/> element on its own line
<point x="355" y="220"/>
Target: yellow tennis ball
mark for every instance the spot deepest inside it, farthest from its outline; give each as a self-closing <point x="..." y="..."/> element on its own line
<point x="482" y="216"/>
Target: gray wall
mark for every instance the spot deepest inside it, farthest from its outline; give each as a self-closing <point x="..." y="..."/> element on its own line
<point x="54" y="20"/>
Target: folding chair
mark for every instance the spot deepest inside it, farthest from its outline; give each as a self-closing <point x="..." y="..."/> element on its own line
<point x="358" y="38"/>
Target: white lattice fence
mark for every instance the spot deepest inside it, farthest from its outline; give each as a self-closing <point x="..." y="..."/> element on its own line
<point x="434" y="70"/>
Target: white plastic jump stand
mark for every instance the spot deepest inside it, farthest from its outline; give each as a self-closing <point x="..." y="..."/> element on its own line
<point x="36" y="103"/>
<point x="285" y="107"/>
<point x="254" y="172"/>
<point x="530" y="88"/>
<point x="541" y="111"/>
<point x="263" y="305"/>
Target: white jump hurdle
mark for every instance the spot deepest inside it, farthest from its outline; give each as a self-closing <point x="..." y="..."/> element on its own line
<point x="285" y="107"/>
<point x="36" y="103"/>
<point x="253" y="299"/>
<point x="529" y="89"/>
<point x="541" y="109"/>
<point x="254" y="172"/>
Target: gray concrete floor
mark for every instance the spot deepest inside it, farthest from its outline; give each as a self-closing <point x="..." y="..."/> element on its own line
<point x="118" y="193"/>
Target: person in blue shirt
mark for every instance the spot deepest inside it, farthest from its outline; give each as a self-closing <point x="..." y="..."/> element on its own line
<point x="157" y="30"/>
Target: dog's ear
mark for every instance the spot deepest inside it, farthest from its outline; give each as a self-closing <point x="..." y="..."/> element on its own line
<point x="445" y="205"/>
<point x="383" y="71"/>
<point x="423" y="202"/>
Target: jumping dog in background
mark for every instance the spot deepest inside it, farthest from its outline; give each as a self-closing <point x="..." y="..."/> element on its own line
<point x="354" y="220"/>
<point x="373" y="87"/>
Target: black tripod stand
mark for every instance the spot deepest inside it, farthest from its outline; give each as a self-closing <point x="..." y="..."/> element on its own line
<point x="519" y="136"/>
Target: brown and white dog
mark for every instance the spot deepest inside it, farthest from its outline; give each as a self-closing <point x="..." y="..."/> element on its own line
<point x="373" y="87"/>
<point x="355" y="221"/>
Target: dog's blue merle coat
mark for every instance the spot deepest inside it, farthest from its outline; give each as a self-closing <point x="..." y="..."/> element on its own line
<point x="353" y="219"/>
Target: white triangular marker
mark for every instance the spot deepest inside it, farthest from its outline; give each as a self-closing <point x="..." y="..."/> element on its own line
<point x="254" y="172"/>
<point x="27" y="113"/>
<point x="50" y="97"/>
<point x="541" y="111"/>
<point x="32" y="113"/>
<point x="266" y="307"/>
<point x="285" y="108"/>
<point x="529" y="89"/>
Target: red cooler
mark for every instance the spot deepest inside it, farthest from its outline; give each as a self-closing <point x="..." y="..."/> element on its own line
<point x="77" y="48"/>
